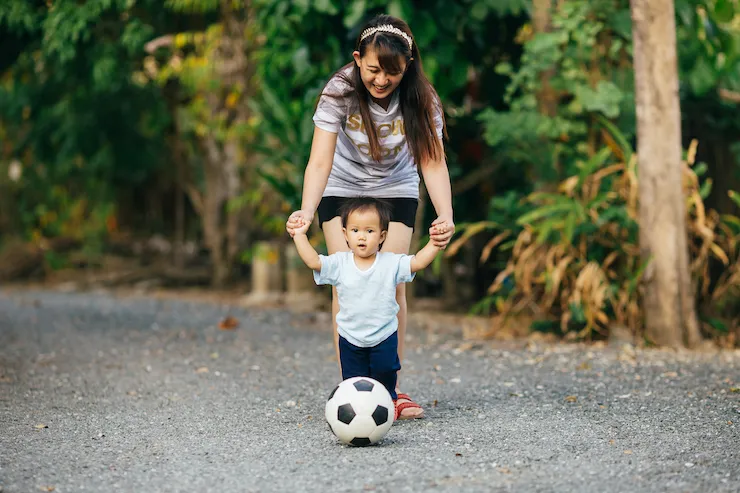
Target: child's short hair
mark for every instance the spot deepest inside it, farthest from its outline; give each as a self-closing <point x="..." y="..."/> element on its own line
<point x="382" y="207"/>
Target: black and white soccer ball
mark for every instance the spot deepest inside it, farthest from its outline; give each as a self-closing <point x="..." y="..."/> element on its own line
<point x="360" y="411"/>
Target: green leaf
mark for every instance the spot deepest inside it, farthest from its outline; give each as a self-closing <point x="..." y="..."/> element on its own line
<point x="605" y="99"/>
<point x="356" y="11"/>
<point x="705" y="189"/>
<point x="596" y="162"/>
<point x="724" y="10"/>
<point x="734" y="196"/>
<point x="325" y="7"/>
<point x="570" y="228"/>
<point x="545" y="228"/>
<point x="479" y="11"/>
<point x="192" y="6"/>
<point x="702" y="77"/>
<point x="396" y="9"/>
<point x="542" y="212"/>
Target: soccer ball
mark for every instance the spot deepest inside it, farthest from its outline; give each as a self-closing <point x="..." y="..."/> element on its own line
<point x="360" y="411"/>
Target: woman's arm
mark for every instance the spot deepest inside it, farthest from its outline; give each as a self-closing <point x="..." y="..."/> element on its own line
<point x="437" y="180"/>
<point x="314" y="179"/>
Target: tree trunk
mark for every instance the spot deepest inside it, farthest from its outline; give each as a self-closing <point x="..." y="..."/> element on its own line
<point x="224" y="158"/>
<point x="670" y="317"/>
<point x="541" y="23"/>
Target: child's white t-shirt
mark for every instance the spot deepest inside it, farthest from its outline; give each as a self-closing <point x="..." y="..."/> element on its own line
<point x="354" y="171"/>
<point x="367" y="299"/>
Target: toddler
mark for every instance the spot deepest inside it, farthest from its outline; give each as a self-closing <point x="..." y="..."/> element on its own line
<point x="366" y="280"/>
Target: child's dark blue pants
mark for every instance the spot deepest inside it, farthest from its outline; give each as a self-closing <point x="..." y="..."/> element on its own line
<point x="379" y="362"/>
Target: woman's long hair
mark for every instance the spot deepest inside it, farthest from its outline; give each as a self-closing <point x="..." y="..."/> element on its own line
<point x="418" y="98"/>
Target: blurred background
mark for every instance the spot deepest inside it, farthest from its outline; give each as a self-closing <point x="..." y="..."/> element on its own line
<point x="162" y="144"/>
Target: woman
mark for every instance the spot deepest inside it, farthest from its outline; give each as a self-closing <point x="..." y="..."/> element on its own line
<point x="377" y="119"/>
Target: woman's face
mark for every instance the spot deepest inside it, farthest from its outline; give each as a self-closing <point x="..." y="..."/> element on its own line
<point x="379" y="82"/>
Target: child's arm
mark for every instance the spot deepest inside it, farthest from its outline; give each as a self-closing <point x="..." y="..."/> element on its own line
<point x="305" y="249"/>
<point x="424" y="257"/>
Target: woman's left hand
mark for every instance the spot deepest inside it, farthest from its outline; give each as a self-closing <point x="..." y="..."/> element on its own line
<point x="441" y="231"/>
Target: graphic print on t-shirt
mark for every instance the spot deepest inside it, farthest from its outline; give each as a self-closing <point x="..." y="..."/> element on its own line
<point x="392" y="136"/>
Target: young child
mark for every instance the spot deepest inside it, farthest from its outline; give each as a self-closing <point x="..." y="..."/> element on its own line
<point x="366" y="281"/>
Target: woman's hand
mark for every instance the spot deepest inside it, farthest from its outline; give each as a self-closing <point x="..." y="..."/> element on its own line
<point x="441" y="231"/>
<point x="297" y="220"/>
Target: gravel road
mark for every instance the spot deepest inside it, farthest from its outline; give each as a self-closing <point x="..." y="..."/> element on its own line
<point x="103" y="392"/>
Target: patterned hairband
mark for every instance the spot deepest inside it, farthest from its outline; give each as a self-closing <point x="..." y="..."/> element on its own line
<point x="387" y="28"/>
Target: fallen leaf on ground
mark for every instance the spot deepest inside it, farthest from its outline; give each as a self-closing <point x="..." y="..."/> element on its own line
<point x="670" y="374"/>
<point x="734" y="390"/>
<point x="40" y="426"/>
<point x="202" y="369"/>
<point x="628" y="452"/>
<point x="571" y="398"/>
<point x="504" y="470"/>
<point x="584" y="366"/>
<point x="434" y="404"/>
<point x="458" y="454"/>
<point x="47" y="488"/>
<point x="4" y="379"/>
<point x="612" y="442"/>
<point x="228" y="323"/>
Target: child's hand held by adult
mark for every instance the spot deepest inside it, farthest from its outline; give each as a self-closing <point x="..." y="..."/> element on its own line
<point x="441" y="231"/>
<point x="298" y="219"/>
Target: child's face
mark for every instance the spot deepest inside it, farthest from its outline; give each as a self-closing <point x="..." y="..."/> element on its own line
<point x="379" y="83"/>
<point x="363" y="232"/>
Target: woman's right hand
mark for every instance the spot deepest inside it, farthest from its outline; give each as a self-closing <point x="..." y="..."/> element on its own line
<point x="298" y="219"/>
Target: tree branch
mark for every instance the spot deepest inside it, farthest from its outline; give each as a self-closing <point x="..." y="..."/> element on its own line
<point x="156" y="43"/>
<point x="727" y="95"/>
<point x="473" y="178"/>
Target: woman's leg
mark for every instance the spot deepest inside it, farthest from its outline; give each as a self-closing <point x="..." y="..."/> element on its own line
<point x="335" y="242"/>
<point x="399" y="241"/>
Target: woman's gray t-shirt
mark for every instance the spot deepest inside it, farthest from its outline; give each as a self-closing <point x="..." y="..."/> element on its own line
<point x="354" y="171"/>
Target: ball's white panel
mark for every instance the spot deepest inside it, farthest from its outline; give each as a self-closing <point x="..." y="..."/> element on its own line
<point x="364" y="403"/>
<point x="363" y="426"/>
<point x="330" y="411"/>
<point x="380" y="431"/>
<point x="344" y="432"/>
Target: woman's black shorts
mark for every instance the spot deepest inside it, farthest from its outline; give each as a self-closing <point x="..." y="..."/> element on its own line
<point x="402" y="210"/>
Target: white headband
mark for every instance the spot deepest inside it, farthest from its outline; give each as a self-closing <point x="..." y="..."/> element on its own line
<point x="387" y="28"/>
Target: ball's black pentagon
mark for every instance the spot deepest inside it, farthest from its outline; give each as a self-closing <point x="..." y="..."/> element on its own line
<point x="360" y="442"/>
<point x="345" y="413"/>
<point x="364" y="385"/>
<point x="332" y="393"/>
<point x="380" y="415"/>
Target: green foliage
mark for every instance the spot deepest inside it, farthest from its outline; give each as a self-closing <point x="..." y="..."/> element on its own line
<point x="72" y="115"/>
<point x="575" y="258"/>
<point x="581" y="63"/>
<point x="708" y="35"/>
